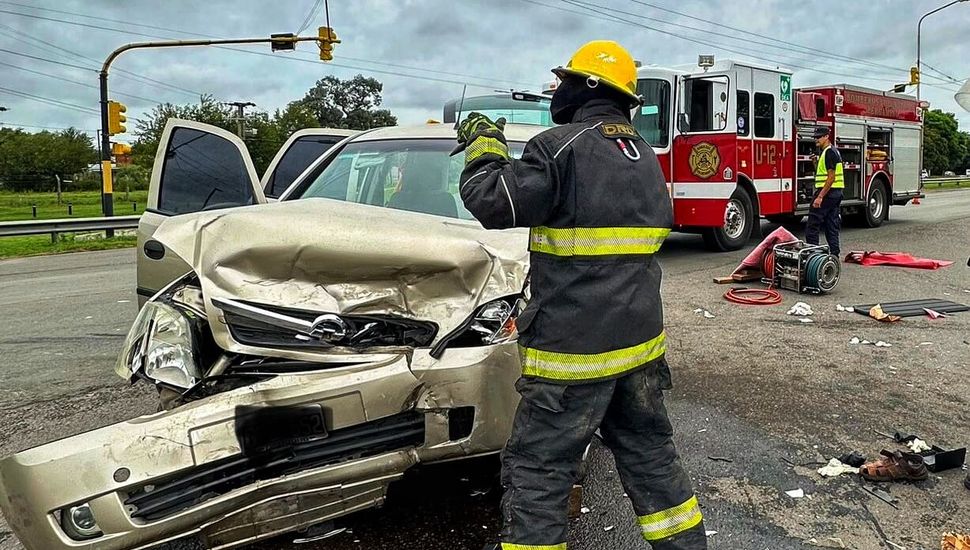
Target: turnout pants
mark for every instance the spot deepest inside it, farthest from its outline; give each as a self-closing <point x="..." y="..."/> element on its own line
<point x="553" y="425"/>
<point x="829" y="218"/>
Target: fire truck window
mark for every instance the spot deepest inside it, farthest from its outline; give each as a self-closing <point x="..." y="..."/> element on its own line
<point x="705" y="103"/>
<point x="744" y="113"/>
<point x="652" y="120"/>
<point x="764" y="115"/>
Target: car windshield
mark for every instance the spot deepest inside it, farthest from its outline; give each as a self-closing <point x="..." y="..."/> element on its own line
<point x="405" y="174"/>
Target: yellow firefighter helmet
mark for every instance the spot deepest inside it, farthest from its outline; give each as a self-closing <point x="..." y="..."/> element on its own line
<point x="604" y="61"/>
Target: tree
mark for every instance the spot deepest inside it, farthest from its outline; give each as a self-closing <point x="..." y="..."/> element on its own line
<point x="944" y="146"/>
<point x="352" y="104"/>
<point x="31" y="162"/>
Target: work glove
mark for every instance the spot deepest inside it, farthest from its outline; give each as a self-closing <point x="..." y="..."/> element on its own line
<point x="478" y="136"/>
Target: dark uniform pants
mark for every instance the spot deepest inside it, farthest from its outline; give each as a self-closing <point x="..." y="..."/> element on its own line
<point x="553" y="425"/>
<point x="829" y="218"/>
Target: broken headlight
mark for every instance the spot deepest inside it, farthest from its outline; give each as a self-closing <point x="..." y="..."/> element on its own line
<point x="492" y="323"/>
<point x="162" y="344"/>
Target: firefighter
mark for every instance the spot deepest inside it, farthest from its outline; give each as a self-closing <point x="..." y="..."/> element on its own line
<point x="827" y="205"/>
<point x="591" y="339"/>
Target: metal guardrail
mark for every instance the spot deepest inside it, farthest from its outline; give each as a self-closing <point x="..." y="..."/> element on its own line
<point x="66" y="225"/>
<point x="948" y="179"/>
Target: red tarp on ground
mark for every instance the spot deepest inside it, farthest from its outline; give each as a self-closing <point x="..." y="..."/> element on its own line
<point x="898" y="259"/>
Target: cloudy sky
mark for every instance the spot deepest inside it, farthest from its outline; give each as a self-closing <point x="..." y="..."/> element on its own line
<point x="425" y="50"/>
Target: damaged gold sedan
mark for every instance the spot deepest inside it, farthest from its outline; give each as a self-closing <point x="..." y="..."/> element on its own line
<point x="307" y="352"/>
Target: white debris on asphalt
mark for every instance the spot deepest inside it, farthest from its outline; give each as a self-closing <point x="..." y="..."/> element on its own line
<point x="855" y="341"/>
<point x="881" y="344"/>
<point x="836" y="468"/>
<point x="710" y="533"/>
<point x="705" y="313"/>
<point x="806" y="320"/>
<point x="795" y="493"/>
<point x="124" y="301"/>
<point x="609" y="528"/>
<point x="924" y="344"/>
<point x="584" y="510"/>
<point x="918" y="445"/>
<point x="801" y="309"/>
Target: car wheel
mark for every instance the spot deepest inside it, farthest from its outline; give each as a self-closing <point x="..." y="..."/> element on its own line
<point x="738" y="224"/>
<point x="877" y="204"/>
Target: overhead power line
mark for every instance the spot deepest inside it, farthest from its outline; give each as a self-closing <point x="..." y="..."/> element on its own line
<point x="71" y="65"/>
<point x="77" y="82"/>
<point x="314" y="10"/>
<point x="19" y="125"/>
<point x="485" y="82"/>
<point x="591" y="13"/>
<point x="50" y="101"/>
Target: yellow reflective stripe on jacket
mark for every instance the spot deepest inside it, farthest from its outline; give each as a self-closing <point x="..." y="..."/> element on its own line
<point x="509" y="546"/>
<point x="822" y="174"/>
<point x="597" y="241"/>
<point x="582" y="366"/>
<point x="667" y="523"/>
<point x="485" y="145"/>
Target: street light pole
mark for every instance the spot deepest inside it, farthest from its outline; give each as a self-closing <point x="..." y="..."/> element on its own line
<point x="919" y="67"/>
<point x="279" y="41"/>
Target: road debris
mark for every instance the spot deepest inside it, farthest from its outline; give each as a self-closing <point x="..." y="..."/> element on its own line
<point x="933" y="314"/>
<point x="720" y="459"/>
<point x="609" y="528"/>
<point x="854" y="459"/>
<point x="895" y="466"/>
<point x="840" y="307"/>
<point x="835" y="468"/>
<point x="881" y="344"/>
<point x="710" y="533"/>
<point x="914" y="308"/>
<point x="801" y="309"/>
<point x="795" y="493"/>
<point x="917" y="445"/>
<point x="705" y="313"/>
<point x="953" y="541"/>
<point x="805" y="320"/>
<point x="881" y="495"/>
<point x="877" y="313"/>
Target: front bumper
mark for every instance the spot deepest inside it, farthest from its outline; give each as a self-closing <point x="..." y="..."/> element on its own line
<point x="404" y="403"/>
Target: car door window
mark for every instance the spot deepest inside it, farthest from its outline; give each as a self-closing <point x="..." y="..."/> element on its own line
<point x="417" y="175"/>
<point x="295" y="160"/>
<point x="202" y="171"/>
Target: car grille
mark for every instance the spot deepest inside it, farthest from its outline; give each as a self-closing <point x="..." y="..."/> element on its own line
<point x="189" y="488"/>
<point x="253" y="325"/>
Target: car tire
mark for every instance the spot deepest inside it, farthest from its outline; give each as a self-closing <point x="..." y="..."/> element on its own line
<point x="739" y="222"/>
<point x="876" y="209"/>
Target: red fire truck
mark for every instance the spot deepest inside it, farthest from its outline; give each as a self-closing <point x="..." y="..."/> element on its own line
<point x="735" y="143"/>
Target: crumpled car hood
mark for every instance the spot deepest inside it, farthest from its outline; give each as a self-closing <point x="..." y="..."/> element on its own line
<point x="339" y="257"/>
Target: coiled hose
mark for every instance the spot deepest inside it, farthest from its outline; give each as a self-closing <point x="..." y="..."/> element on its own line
<point x="753" y="296"/>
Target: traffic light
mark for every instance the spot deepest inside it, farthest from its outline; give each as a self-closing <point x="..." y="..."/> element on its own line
<point x="120" y="149"/>
<point x="913" y="76"/>
<point x="327" y="38"/>
<point x="116" y="120"/>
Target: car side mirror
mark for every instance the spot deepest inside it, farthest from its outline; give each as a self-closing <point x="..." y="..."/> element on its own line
<point x="683" y="124"/>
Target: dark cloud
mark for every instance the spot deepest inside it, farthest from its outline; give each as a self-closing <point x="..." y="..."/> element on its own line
<point x="487" y="43"/>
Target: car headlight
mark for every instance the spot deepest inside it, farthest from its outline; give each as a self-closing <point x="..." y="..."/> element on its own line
<point x="162" y="344"/>
<point x="492" y="323"/>
<point x="78" y="522"/>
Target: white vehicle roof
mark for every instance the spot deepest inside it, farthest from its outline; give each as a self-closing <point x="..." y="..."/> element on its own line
<point x="513" y="132"/>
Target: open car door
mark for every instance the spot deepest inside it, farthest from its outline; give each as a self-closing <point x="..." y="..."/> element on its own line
<point x="296" y="155"/>
<point x="198" y="167"/>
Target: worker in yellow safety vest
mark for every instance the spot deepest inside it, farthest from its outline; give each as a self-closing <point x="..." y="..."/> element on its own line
<point x="591" y="338"/>
<point x="826" y="211"/>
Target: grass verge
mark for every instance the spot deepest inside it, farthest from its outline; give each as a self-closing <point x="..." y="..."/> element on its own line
<point x="14" y="247"/>
<point x="85" y="204"/>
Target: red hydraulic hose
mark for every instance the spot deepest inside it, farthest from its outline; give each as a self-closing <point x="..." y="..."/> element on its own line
<point x="753" y="296"/>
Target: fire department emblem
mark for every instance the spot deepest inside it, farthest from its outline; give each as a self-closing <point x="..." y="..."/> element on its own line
<point x="704" y="160"/>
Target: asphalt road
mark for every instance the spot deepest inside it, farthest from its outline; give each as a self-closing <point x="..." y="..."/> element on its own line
<point x="752" y="385"/>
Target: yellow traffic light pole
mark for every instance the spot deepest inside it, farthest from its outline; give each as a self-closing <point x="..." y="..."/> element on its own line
<point x="111" y="111"/>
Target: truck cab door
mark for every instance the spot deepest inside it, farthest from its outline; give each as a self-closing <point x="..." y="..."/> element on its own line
<point x="296" y="155"/>
<point x="198" y="167"/>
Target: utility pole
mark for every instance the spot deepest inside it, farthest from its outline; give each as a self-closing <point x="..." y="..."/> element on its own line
<point x="278" y="42"/>
<point x="240" y="116"/>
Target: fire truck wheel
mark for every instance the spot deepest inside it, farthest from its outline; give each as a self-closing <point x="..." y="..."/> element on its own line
<point x="738" y="223"/>
<point x="877" y="206"/>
